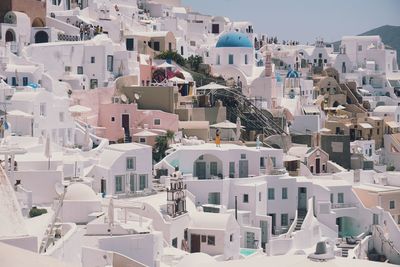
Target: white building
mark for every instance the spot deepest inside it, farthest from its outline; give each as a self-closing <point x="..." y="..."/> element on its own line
<point x="123" y="169"/>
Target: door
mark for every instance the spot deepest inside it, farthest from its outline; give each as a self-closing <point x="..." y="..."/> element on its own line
<point x="201" y="170"/>
<point x="132" y="183"/>
<point x="215" y="28"/>
<point x="250" y="236"/>
<point x="273" y="221"/>
<point x="264" y="233"/>
<point x="352" y="134"/>
<point x="125" y="123"/>
<point x="194" y="243"/>
<point x="103" y="186"/>
<point x="129" y="44"/>
<point x="243" y="168"/>
<point x="214" y="168"/>
<point x="302" y="199"/>
<point x="318" y="165"/>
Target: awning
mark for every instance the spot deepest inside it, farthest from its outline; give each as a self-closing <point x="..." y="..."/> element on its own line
<point x="393" y="124"/>
<point x="365" y="125"/>
<point x="19" y="113"/>
<point x="212" y="86"/>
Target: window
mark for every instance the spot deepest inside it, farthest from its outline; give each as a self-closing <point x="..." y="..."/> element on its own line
<point x="262" y="163"/>
<point x="13" y="81"/>
<point x="61" y="116"/>
<point x="211" y="240"/>
<point x="214" y="198"/>
<point x="182" y="51"/>
<point x="43" y="109"/>
<point x="79" y="70"/>
<point x="142" y="140"/>
<point x="218" y="60"/>
<point x="156" y="46"/>
<point x="246" y="60"/>
<point x="245" y="198"/>
<point x="391" y="204"/>
<point x="340" y="197"/>
<point x="284" y="219"/>
<point x="142" y="181"/>
<point x="331" y="197"/>
<point x="230" y="59"/>
<point x="157" y="122"/>
<point x="175" y="242"/>
<point x="24" y="81"/>
<point x="67" y="68"/>
<point x="113" y="119"/>
<point x="377" y="131"/>
<point x="92" y="60"/>
<point x="192" y="43"/>
<point x="259" y="196"/>
<point x="231" y="238"/>
<point x="360" y="48"/>
<point x="213" y="168"/>
<point x="231" y="169"/>
<point x="130" y="163"/>
<point x="93" y="83"/>
<point x="110" y="63"/>
<point x="284" y="192"/>
<point x="271" y="193"/>
<point x="130" y="45"/>
<point x="203" y="239"/>
<point x="243" y="156"/>
<point x="119" y="184"/>
<point x="273" y="159"/>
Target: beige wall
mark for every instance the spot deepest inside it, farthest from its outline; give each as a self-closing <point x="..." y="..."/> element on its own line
<point x="372" y="199"/>
<point x="211" y="114"/>
<point x="153" y="98"/>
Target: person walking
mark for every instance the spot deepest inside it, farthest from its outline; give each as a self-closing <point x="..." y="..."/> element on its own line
<point x="217" y="138"/>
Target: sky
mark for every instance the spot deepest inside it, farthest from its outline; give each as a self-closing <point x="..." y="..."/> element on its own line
<point x="305" y="20"/>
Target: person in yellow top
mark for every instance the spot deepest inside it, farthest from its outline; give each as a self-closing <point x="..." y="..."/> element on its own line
<point x="217" y="138"/>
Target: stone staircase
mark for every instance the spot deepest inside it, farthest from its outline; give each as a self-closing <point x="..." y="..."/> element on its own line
<point x="301" y="214"/>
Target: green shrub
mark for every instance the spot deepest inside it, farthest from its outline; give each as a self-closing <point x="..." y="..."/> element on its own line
<point x="36" y="212"/>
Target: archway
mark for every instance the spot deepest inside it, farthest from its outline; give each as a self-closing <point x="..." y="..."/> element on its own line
<point x="335" y="104"/>
<point x="38" y="22"/>
<point x="41" y="37"/>
<point x="10" y="36"/>
<point x="207" y="167"/>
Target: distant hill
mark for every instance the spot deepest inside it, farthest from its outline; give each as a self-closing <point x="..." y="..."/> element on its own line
<point x="390" y="37"/>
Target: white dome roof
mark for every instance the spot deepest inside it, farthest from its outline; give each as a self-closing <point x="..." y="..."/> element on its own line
<point x="79" y="191"/>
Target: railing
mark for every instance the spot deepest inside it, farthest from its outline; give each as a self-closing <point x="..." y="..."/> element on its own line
<point x="343" y="205"/>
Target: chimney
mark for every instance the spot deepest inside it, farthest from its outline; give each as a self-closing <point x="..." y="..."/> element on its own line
<point x="357" y="175"/>
<point x="268" y="64"/>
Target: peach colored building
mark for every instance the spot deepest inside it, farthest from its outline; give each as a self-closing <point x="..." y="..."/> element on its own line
<point x="387" y="197"/>
<point x="112" y="119"/>
<point x="145" y="70"/>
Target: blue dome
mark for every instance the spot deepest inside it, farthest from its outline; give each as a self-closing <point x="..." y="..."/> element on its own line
<point x="234" y="39"/>
<point x="292" y="74"/>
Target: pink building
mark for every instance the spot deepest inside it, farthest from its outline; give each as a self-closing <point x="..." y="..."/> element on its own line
<point x="115" y="120"/>
<point x="145" y="70"/>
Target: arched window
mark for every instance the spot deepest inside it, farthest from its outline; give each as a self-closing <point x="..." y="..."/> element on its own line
<point x="10" y="36"/>
<point x="41" y="37"/>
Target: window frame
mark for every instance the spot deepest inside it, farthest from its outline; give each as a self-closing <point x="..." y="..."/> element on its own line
<point x="271" y="193"/>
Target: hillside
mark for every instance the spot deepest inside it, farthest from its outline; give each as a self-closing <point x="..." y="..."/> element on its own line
<point x="390" y="36"/>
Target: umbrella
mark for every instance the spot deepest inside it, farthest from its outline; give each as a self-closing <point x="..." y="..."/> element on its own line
<point x="166" y="65"/>
<point x="47" y="149"/>
<point x="177" y="80"/>
<point x="111" y="213"/>
<point x="224" y="125"/>
<point x="79" y="109"/>
<point x="212" y="86"/>
<point x="87" y="138"/>
<point x="145" y="133"/>
<point x="238" y="128"/>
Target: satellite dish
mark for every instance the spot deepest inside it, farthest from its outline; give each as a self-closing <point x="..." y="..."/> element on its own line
<point x="59" y="188"/>
<point x="124" y="99"/>
<point x="137" y="96"/>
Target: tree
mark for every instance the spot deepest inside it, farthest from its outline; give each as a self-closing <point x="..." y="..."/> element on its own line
<point x="159" y="148"/>
<point x="194" y="62"/>
<point x="172" y="55"/>
<point x="170" y="136"/>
